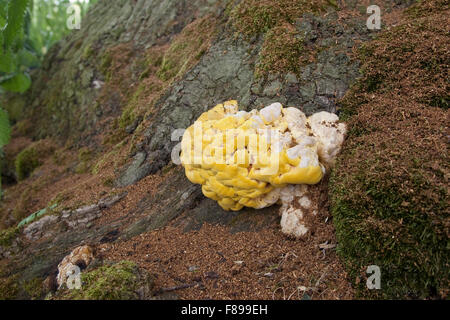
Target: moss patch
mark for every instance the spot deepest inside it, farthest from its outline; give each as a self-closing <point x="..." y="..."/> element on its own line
<point x="34" y="289"/>
<point x="282" y="50"/>
<point x="15" y="105"/>
<point x="26" y="161"/>
<point x="7" y="160"/>
<point x="389" y="190"/>
<point x="9" y="288"/>
<point x="252" y="17"/>
<point x="187" y="48"/>
<point x="84" y="160"/>
<point x="425" y="8"/>
<point x="119" y="281"/>
<point x="410" y="59"/>
<point x="151" y="74"/>
<point x="12" y="288"/>
<point x="22" y="128"/>
<point x="31" y="157"/>
<point x="7" y="236"/>
<point x="20" y="210"/>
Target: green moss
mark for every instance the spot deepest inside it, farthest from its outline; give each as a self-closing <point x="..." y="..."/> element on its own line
<point x="127" y="118"/>
<point x="31" y="157"/>
<point x="15" y="105"/>
<point x="186" y="49"/>
<point x="59" y="199"/>
<point x="129" y="115"/>
<point x="84" y="154"/>
<point x="98" y="165"/>
<point x="26" y="161"/>
<point x="82" y="167"/>
<point x="24" y="127"/>
<point x="116" y="282"/>
<point x="105" y="64"/>
<point x="34" y="288"/>
<point x="9" y="288"/>
<point x="252" y="17"/>
<point x="87" y="52"/>
<point x="7" y="235"/>
<point x="160" y="67"/>
<point x="282" y="51"/>
<point x="108" y="182"/>
<point x="424" y="8"/>
<point x="389" y="230"/>
<point x="167" y="70"/>
<point x="332" y="3"/>
<point x="110" y="157"/>
<point x="405" y="57"/>
<point x="106" y="61"/>
<point x="60" y="157"/>
<point x="84" y="159"/>
<point x="388" y="191"/>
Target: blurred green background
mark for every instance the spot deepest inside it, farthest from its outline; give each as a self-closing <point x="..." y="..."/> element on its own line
<point x="28" y="28"/>
<point x="48" y="22"/>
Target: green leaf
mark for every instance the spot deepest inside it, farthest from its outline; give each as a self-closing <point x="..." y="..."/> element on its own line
<point x="2" y="22"/>
<point x="5" y="77"/>
<point x="16" y="15"/>
<point x="19" y="83"/>
<point x="3" y="13"/>
<point x="7" y="62"/>
<point x="1" y="42"/>
<point x="5" y="128"/>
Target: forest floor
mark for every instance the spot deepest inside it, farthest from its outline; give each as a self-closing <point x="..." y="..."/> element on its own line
<point x="206" y="261"/>
<point x="214" y="262"/>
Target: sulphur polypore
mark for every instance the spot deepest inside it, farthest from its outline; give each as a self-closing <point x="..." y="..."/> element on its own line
<point x="259" y="158"/>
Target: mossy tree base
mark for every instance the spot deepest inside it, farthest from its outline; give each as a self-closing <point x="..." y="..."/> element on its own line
<point x="389" y="189"/>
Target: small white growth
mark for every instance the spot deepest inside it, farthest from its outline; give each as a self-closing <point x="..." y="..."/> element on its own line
<point x="98" y="84"/>
<point x="294" y="152"/>
<point x="287" y="194"/>
<point x="271" y="112"/>
<point x="242" y="114"/>
<point x="279" y="141"/>
<point x="329" y="135"/>
<point x="330" y="132"/>
<point x="292" y="218"/>
<point x="307" y="141"/>
<point x="324" y="145"/>
<point x="304" y="202"/>
<point x="257" y="122"/>
<point x="296" y="121"/>
<point x="84" y="254"/>
<point x="291" y="222"/>
<point x="230" y="108"/>
<point x="270" y="198"/>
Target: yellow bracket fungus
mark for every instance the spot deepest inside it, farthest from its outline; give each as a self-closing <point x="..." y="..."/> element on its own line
<point x="249" y="158"/>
